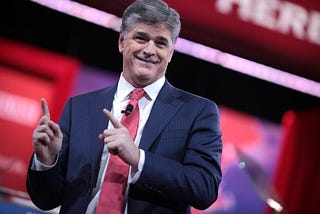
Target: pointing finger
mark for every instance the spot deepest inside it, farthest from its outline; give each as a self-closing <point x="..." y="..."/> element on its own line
<point x="44" y="106"/>
<point x="116" y="123"/>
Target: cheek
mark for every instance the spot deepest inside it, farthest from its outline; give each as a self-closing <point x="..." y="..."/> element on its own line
<point x="166" y="54"/>
<point x="166" y="57"/>
<point x="128" y="53"/>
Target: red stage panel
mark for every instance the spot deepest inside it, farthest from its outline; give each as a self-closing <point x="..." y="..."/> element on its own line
<point x="26" y="75"/>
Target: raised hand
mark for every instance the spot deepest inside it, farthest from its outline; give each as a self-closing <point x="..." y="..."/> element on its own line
<point x="119" y="142"/>
<point x="47" y="137"/>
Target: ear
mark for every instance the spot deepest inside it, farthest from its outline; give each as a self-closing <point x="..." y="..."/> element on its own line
<point x="121" y="42"/>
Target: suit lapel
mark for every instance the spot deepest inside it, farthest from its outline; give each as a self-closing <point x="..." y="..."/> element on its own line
<point x="98" y="123"/>
<point x="164" y="108"/>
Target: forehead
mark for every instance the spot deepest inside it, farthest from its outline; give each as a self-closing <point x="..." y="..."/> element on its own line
<point x="152" y="30"/>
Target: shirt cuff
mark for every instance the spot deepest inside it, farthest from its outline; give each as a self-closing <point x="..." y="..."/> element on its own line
<point x="38" y="166"/>
<point x="134" y="175"/>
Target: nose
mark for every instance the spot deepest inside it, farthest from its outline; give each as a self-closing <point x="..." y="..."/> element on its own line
<point x="150" y="48"/>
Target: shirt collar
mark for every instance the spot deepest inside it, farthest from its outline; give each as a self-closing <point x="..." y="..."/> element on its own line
<point x="124" y="88"/>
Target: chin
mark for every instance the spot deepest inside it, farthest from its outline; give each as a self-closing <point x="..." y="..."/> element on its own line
<point x="144" y="72"/>
<point x="144" y="78"/>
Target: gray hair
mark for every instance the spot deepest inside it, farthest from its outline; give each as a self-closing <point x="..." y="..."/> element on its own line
<point x="153" y="12"/>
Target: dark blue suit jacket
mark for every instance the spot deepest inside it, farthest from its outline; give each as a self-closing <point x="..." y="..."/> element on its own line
<point x="181" y="140"/>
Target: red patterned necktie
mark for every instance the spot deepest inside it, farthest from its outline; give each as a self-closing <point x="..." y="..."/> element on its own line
<point x="114" y="184"/>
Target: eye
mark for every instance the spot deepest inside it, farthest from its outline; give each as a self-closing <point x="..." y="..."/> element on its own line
<point x="161" y="43"/>
<point x="140" y="39"/>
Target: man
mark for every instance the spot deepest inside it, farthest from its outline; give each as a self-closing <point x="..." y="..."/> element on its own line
<point x="175" y="156"/>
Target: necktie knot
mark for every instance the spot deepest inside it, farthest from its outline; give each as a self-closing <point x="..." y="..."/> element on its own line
<point x="137" y="93"/>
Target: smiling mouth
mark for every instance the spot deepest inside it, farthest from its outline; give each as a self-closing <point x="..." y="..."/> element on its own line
<point x="146" y="61"/>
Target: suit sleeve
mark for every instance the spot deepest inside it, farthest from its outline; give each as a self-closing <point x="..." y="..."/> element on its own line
<point x="46" y="187"/>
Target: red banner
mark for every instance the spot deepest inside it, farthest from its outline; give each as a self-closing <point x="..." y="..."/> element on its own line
<point x="284" y="34"/>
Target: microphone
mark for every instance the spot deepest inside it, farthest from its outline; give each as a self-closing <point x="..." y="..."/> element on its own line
<point x="128" y="109"/>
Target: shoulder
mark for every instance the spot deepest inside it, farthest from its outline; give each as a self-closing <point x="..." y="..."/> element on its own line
<point x="192" y="98"/>
<point x="190" y="102"/>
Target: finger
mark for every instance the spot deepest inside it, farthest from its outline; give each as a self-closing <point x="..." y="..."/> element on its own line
<point x="44" y="120"/>
<point x="56" y="129"/>
<point x="101" y="137"/>
<point x="116" y="123"/>
<point x="41" y="138"/>
<point x="112" y="148"/>
<point x="45" y="109"/>
<point x="44" y="129"/>
<point x="109" y="139"/>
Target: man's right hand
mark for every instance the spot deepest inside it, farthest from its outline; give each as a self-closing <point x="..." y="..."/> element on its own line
<point x="47" y="137"/>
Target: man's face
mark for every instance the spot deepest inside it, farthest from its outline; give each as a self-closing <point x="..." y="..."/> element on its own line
<point x="147" y="50"/>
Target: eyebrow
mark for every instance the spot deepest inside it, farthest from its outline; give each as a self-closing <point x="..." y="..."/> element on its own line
<point x="159" y="38"/>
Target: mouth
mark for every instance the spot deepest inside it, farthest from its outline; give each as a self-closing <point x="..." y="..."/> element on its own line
<point x="150" y="61"/>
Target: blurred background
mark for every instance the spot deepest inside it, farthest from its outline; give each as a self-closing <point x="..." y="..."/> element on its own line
<point x="259" y="60"/>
